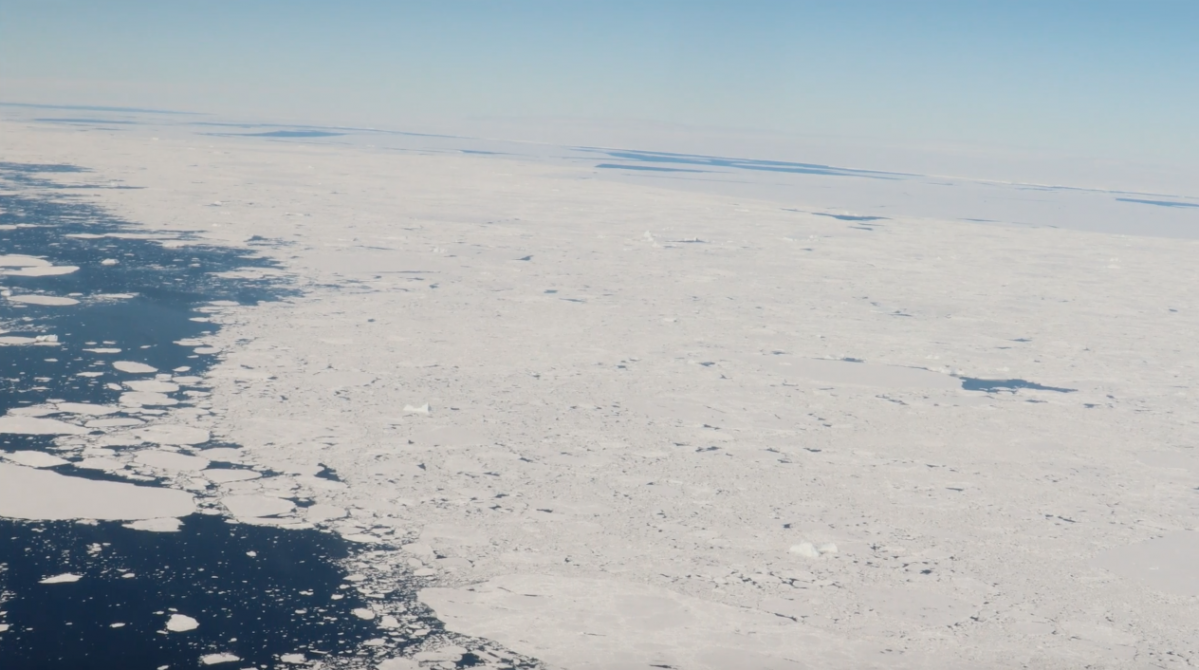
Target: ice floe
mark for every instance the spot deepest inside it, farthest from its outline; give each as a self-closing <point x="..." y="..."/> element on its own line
<point x="28" y="493"/>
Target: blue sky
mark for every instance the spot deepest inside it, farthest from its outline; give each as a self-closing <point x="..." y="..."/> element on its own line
<point x="1106" y="79"/>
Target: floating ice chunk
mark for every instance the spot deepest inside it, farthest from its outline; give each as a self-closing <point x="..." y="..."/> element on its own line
<point x="100" y="463"/>
<point x="164" y="525"/>
<point x="20" y="261"/>
<point x="109" y="261"/>
<point x="3" y="627"/>
<point x="134" y="367"/>
<point x="256" y="505"/>
<point x="34" y="459"/>
<point x="322" y="512"/>
<point x="227" y="475"/>
<point x="398" y="664"/>
<point x="86" y="408"/>
<point x="47" y="300"/>
<point x="143" y="399"/>
<point x="42" y="271"/>
<point x="169" y="460"/>
<point x="65" y="578"/>
<point x="294" y="659"/>
<point x="172" y="434"/>
<point x="805" y="549"/>
<point x="116" y="625"/>
<point x="362" y="538"/>
<point x="422" y="409"/>
<point x="13" y="340"/>
<point x="181" y="623"/>
<point x="32" y="410"/>
<point x="24" y="425"/>
<point x="223" y="455"/>
<point x="152" y="386"/>
<point x="214" y="659"/>
<point x="113" y="423"/>
<point x="364" y="613"/>
<point x="28" y="493"/>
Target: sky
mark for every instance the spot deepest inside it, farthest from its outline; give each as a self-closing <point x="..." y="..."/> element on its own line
<point x="1111" y="80"/>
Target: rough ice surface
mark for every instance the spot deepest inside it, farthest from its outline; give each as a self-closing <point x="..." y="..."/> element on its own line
<point x="215" y="659"/>
<point x="621" y="419"/>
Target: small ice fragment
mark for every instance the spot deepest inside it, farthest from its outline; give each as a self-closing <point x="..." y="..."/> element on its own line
<point x="65" y="578"/>
<point x="109" y="261"/>
<point x="163" y="525"/>
<point x="252" y="554"/>
<point x="214" y="659"/>
<point x="3" y="627"/>
<point x="181" y="623"/>
<point x="398" y="664"/>
<point x="294" y="659"/>
<point x="805" y="549"/>
<point x="422" y="409"/>
<point x="133" y="367"/>
<point x="116" y="625"/>
<point x="364" y="613"/>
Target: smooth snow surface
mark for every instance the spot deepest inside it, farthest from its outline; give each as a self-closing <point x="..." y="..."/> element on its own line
<point x="28" y="493"/>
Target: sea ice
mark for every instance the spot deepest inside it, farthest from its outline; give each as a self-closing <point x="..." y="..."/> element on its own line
<point x="133" y="367"/>
<point x="65" y="578"/>
<point x="162" y="525"/>
<point x="47" y="300"/>
<point x="181" y="623"/>
<point x="214" y="659"/>
<point x="23" y="425"/>
<point x="28" y="493"/>
<point x="169" y="460"/>
<point x="174" y="434"/>
<point x="256" y="505"/>
<point x="33" y="459"/>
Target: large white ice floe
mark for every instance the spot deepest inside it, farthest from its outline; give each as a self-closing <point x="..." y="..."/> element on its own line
<point x="133" y="367"/>
<point x="256" y="505"/>
<point x="25" y="425"/>
<point x="45" y="300"/>
<point x="173" y="434"/>
<point x="29" y="493"/>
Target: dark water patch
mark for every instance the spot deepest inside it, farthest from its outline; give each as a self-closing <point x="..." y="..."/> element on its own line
<point x="645" y="168"/>
<point x="746" y="164"/>
<point x="85" y="121"/>
<point x="256" y="592"/>
<point x="1009" y="385"/>
<point x="1159" y="203"/>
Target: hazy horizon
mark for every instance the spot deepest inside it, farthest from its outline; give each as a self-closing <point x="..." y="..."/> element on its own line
<point x="1096" y="80"/>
